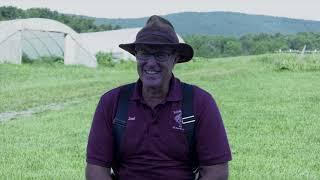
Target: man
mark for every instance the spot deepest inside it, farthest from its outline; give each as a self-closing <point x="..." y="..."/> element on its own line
<point x="154" y="145"/>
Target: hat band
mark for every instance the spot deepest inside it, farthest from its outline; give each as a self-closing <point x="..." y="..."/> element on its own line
<point x="156" y="37"/>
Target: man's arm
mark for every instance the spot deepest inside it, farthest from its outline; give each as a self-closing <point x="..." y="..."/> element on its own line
<point x="214" y="172"/>
<point x="100" y="140"/>
<point x="212" y="146"/>
<point x="94" y="172"/>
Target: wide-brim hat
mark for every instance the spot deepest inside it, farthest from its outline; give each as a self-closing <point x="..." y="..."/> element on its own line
<point x="159" y="31"/>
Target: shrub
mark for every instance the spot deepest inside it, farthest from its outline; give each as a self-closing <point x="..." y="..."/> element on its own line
<point x="25" y="58"/>
<point x="105" y="59"/>
<point x="51" y="60"/>
<point x="292" y="62"/>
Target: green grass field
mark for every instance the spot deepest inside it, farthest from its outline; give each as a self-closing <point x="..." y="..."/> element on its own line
<point x="270" y="105"/>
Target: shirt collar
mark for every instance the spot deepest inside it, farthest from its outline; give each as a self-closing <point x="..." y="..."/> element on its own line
<point x="174" y="94"/>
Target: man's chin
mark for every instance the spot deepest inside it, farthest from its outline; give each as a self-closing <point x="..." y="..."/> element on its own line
<point x="151" y="83"/>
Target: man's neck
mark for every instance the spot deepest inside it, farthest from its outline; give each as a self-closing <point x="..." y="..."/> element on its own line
<point x="154" y="95"/>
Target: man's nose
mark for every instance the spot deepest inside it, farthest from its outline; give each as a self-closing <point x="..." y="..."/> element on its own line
<point x="152" y="60"/>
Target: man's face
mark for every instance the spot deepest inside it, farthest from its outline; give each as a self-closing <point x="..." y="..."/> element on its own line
<point x="155" y="64"/>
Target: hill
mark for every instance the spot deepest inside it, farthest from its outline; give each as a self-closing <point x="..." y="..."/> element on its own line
<point x="186" y="23"/>
<point x="224" y="23"/>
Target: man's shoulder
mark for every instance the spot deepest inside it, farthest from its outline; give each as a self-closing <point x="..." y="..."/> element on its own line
<point x="202" y="99"/>
<point x="113" y="94"/>
<point x="200" y="93"/>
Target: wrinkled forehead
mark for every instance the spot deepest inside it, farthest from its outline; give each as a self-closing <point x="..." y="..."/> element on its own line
<point x="154" y="48"/>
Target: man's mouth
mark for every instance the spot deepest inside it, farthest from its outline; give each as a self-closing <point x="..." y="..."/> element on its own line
<point x="151" y="72"/>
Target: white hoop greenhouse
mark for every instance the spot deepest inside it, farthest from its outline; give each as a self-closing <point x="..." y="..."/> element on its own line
<point x="37" y="37"/>
<point x="108" y="41"/>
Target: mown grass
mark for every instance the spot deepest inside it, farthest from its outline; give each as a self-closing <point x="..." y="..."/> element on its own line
<point x="271" y="115"/>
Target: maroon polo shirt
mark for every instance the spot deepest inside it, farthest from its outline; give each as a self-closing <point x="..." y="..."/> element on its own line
<point x="153" y="147"/>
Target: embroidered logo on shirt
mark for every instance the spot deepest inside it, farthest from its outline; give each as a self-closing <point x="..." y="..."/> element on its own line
<point x="178" y="120"/>
<point x="131" y="118"/>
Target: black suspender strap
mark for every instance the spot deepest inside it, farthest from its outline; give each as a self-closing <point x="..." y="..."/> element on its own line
<point x="120" y="121"/>
<point x="189" y="121"/>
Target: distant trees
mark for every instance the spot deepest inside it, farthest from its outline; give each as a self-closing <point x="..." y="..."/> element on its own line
<point x="78" y="23"/>
<point x="222" y="46"/>
<point x="204" y="45"/>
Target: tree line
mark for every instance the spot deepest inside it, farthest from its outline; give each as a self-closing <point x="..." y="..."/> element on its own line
<point x="204" y="45"/>
<point x="78" y="23"/>
<point x="251" y="44"/>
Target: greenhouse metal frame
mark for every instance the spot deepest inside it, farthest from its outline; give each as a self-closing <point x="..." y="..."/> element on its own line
<point x="36" y="37"/>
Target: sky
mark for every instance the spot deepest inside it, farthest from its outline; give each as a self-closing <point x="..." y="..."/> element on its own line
<point x="299" y="9"/>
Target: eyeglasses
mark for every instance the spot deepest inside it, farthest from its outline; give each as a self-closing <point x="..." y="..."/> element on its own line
<point x="160" y="56"/>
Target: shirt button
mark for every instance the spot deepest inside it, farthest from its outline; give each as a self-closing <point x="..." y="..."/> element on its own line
<point x="153" y="115"/>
